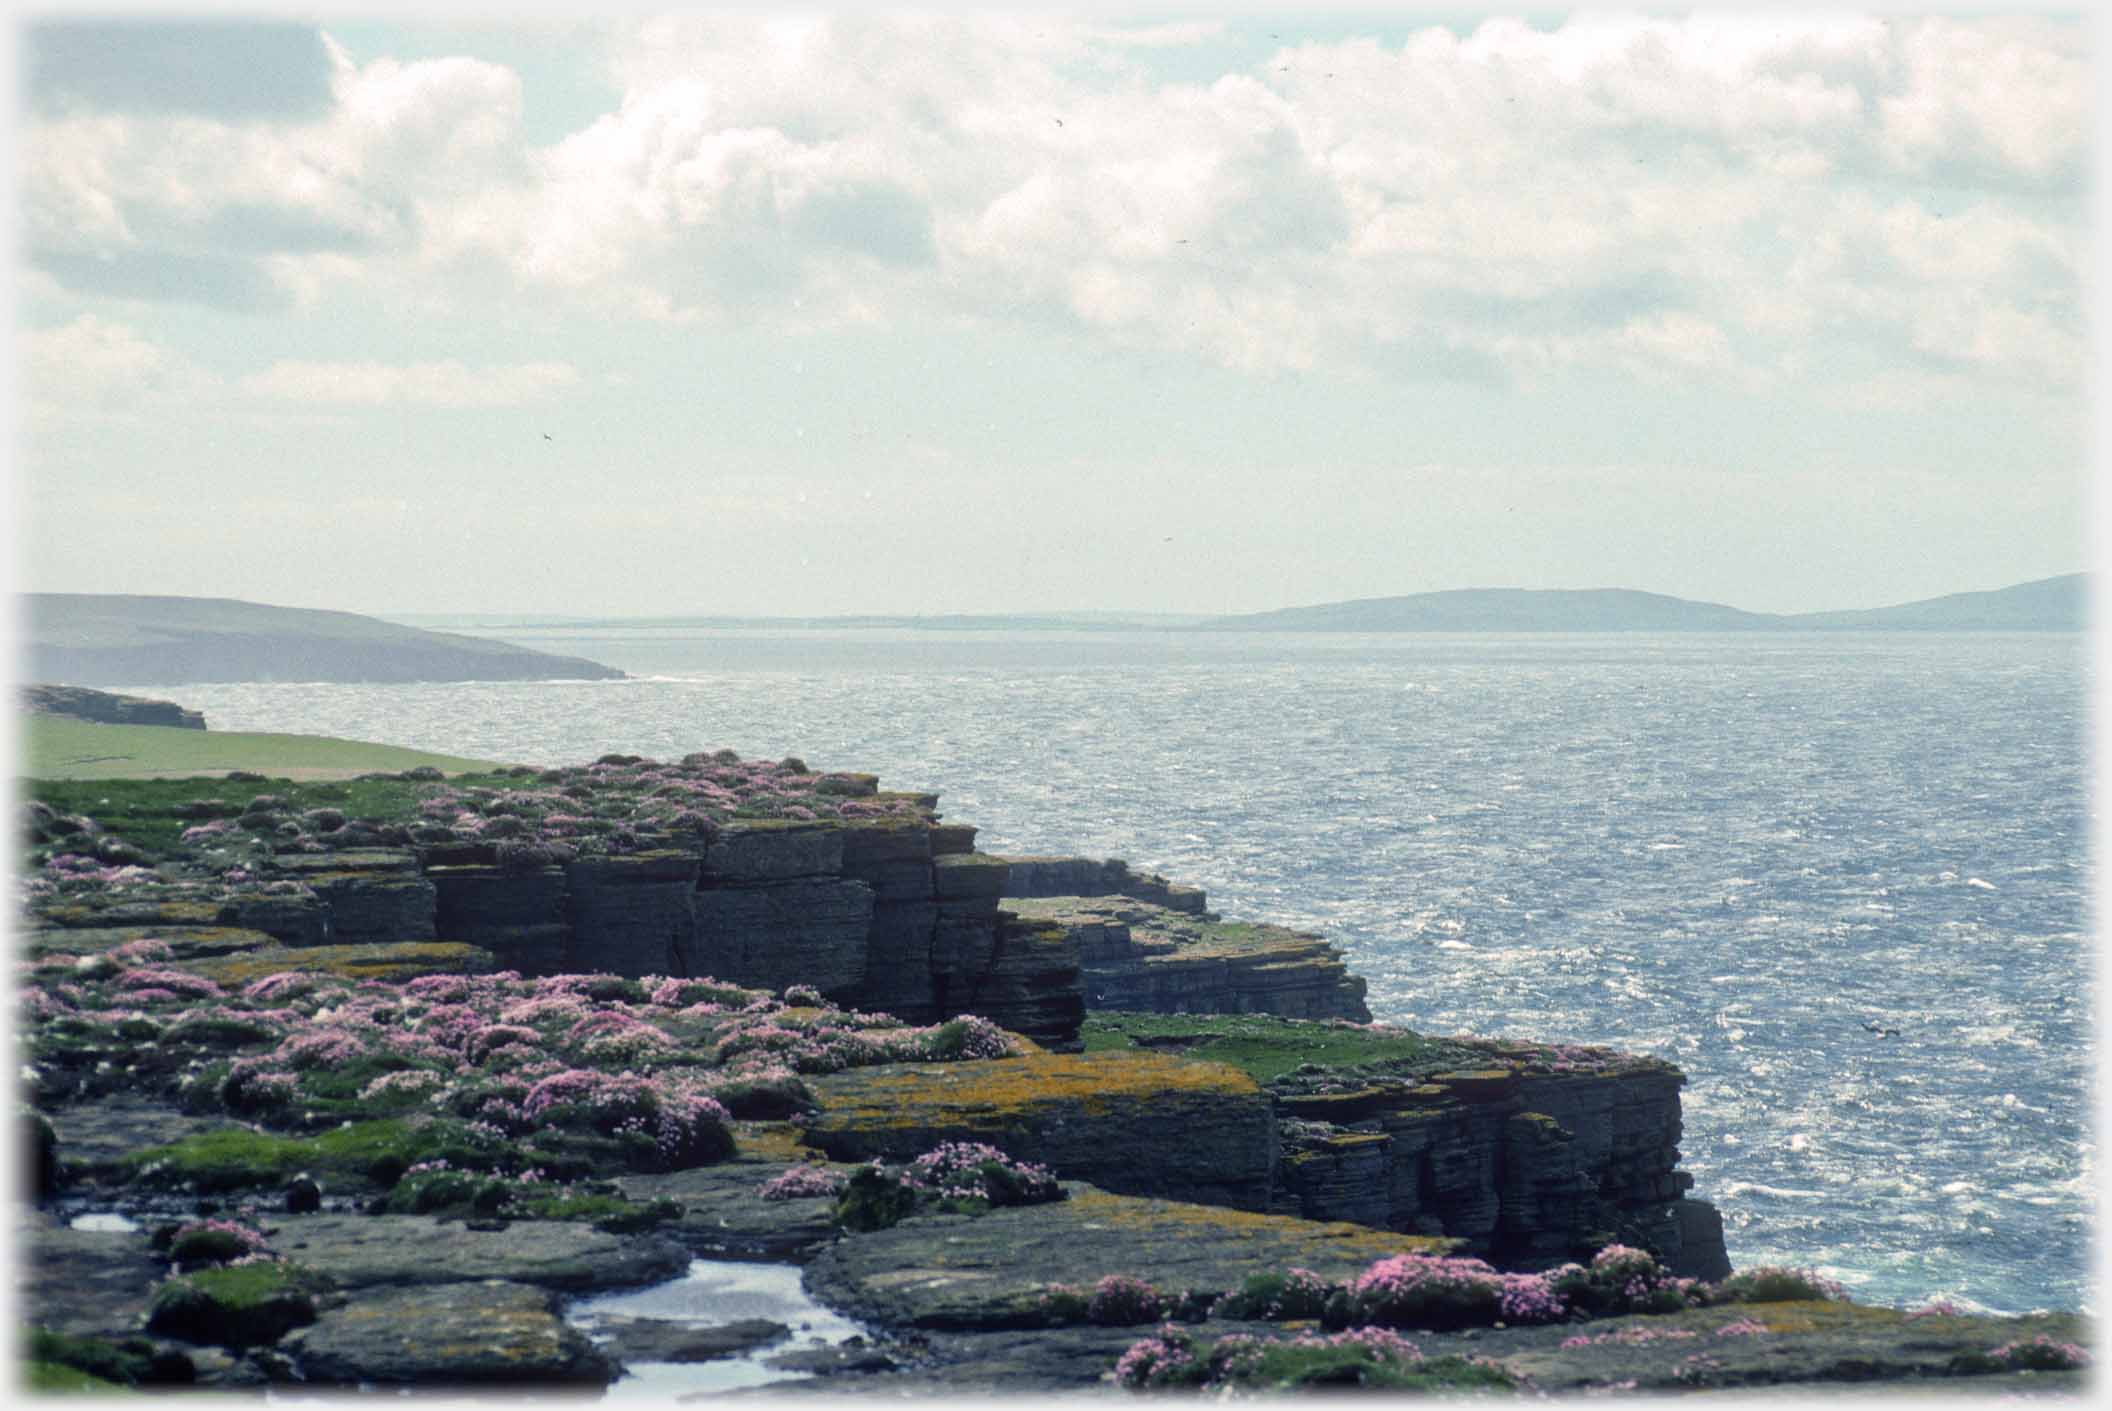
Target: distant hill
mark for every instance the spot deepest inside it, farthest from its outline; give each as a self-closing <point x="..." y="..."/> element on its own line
<point x="925" y="622"/>
<point x="97" y="639"/>
<point x="1504" y="610"/>
<point x="2049" y="605"/>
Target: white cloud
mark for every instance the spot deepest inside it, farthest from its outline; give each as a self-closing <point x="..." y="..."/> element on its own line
<point x="96" y="365"/>
<point x="1692" y="196"/>
<point x="148" y="198"/>
<point x="438" y="384"/>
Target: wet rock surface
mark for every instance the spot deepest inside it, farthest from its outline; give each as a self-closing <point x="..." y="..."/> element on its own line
<point x="360" y="1251"/>
<point x="667" y="1340"/>
<point x="84" y="1281"/>
<point x="958" y="1272"/>
<point x="480" y="1333"/>
<point x="724" y="1214"/>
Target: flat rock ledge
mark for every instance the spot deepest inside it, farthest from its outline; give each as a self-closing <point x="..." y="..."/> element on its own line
<point x="486" y="1333"/>
<point x="1139" y="1123"/>
<point x="1141" y="956"/>
<point x="962" y="1272"/>
<point x="363" y="1251"/>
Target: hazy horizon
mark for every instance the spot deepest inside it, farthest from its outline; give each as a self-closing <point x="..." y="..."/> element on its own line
<point x="1124" y="312"/>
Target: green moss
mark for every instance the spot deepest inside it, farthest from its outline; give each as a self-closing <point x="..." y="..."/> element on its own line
<point x="144" y="811"/>
<point x="219" y="1031"/>
<point x="236" y="1158"/>
<point x="246" y="1305"/>
<point x="1261" y="1045"/>
<point x="58" y="1379"/>
<point x="873" y="1201"/>
<point x="605" y="1212"/>
<point x="100" y="1362"/>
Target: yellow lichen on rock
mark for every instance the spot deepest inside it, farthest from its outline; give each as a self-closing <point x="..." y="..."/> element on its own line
<point x="401" y="960"/>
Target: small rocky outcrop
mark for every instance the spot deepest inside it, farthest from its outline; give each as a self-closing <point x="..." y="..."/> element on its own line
<point x="108" y="708"/>
<point x="1143" y="956"/>
<point x="1529" y="1156"/>
<point x="1098" y="877"/>
<point x="1139" y="1123"/>
<point x="487" y="1333"/>
<point x="666" y="1340"/>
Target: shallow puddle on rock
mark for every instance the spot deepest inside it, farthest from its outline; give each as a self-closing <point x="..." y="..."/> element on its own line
<point x="103" y="1221"/>
<point x="716" y="1291"/>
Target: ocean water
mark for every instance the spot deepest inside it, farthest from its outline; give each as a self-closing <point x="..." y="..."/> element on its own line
<point x="1751" y="855"/>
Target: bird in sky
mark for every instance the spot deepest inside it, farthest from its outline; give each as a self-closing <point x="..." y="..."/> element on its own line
<point x="547" y="436"/>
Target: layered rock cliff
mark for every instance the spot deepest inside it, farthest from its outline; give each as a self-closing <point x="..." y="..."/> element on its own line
<point x="1528" y="1154"/>
<point x="1139" y="956"/>
<point x="109" y="708"/>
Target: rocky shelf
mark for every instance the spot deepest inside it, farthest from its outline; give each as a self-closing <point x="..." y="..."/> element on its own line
<point x="436" y="1058"/>
<point x="108" y="708"/>
<point x="1147" y="957"/>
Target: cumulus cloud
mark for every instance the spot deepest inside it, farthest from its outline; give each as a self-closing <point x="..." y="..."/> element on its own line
<point x="1690" y="197"/>
<point x="436" y="384"/>
<point x="218" y="208"/>
<point x="98" y="365"/>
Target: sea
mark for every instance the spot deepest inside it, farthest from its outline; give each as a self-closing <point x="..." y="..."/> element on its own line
<point x="1842" y="880"/>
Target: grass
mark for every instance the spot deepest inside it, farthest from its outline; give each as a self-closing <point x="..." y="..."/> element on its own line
<point x="1260" y="1045"/>
<point x="55" y="747"/>
<point x="238" y="1159"/>
<point x="144" y="811"/>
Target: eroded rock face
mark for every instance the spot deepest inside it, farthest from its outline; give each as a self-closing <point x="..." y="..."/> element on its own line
<point x="801" y="930"/>
<point x="1139" y="1123"/>
<point x="1527" y="1165"/>
<point x="1097" y="877"/>
<point x="638" y="912"/>
<point x="1141" y="956"/>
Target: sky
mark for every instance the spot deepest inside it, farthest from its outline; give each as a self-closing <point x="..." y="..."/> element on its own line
<point x="1186" y="311"/>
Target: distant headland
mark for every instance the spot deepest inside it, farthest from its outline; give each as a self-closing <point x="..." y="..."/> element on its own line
<point x="2047" y="605"/>
<point x="103" y="639"/>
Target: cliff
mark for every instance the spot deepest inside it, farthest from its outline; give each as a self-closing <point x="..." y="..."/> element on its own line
<point x="1138" y="956"/>
<point x="104" y="708"/>
<point x="1520" y="1154"/>
<point x="1527" y="1154"/>
<point x="100" y="639"/>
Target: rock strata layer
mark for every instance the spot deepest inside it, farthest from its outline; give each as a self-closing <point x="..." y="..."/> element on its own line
<point x="1098" y="877"/>
<point x="1145" y="957"/>
<point x="1141" y="1124"/>
<point x="951" y="1271"/>
<point x="1528" y="1157"/>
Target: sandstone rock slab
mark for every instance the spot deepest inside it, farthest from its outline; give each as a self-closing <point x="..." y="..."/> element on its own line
<point x="368" y="1251"/>
<point x="458" y="1334"/>
<point x="990" y="1271"/>
<point x="1135" y="1122"/>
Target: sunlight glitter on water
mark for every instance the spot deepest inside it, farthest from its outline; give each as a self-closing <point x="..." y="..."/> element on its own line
<point x="1824" y="773"/>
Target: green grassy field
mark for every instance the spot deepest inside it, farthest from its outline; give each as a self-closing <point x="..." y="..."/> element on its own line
<point x="55" y="747"/>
